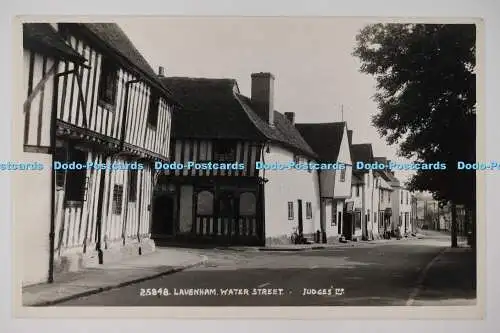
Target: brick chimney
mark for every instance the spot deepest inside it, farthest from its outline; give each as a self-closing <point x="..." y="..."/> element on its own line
<point x="349" y="136"/>
<point x="161" y="71"/>
<point x="263" y="96"/>
<point x="291" y="117"/>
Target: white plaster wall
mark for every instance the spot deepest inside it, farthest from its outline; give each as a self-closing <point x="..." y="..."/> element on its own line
<point x="406" y="208"/>
<point x="289" y="185"/>
<point x="31" y="215"/>
<point x="31" y="196"/>
<point x="375" y="197"/>
<point x="343" y="189"/>
<point x="396" y="206"/>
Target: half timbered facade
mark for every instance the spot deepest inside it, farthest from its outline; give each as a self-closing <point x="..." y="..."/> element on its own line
<point x="244" y="204"/>
<point x="112" y="115"/>
<point x="43" y="50"/>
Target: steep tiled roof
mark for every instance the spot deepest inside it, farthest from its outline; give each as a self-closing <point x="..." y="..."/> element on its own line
<point x="210" y="110"/>
<point x="324" y="138"/>
<point x="116" y="39"/>
<point x="213" y="109"/>
<point x="361" y="153"/>
<point x="43" y="38"/>
<point x="387" y="174"/>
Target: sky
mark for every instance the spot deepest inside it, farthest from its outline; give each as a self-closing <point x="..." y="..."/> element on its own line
<point x="311" y="59"/>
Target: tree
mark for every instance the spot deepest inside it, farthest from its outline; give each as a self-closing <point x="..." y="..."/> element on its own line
<point x="426" y="95"/>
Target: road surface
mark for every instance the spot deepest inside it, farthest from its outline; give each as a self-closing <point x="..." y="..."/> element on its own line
<point x="399" y="272"/>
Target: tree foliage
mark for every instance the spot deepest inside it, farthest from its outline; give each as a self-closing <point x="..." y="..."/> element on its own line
<point x="426" y="95"/>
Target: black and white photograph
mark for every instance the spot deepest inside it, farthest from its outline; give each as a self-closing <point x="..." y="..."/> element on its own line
<point x="247" y="162"/>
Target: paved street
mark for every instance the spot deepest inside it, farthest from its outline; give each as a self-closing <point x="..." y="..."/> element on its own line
<point x="399" y="272"/>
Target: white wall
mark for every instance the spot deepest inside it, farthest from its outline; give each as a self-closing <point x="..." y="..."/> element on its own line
<point x="406" y="208"/>
<point x="396" y="206"/>
<point x="31" y="214"/>
<point x="343" y="189"/>
<point x="289" y="185"/>
<point x="31" y="192"/>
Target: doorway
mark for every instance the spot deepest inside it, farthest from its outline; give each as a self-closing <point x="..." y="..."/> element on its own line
<point x="163" y="215"/>
<point x="339" y="223"/>
<point x="301" y="222"/>
<point x="226" y="212"/>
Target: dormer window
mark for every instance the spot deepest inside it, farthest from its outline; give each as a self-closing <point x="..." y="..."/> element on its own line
<point x="108" y="83"/>
<point x="224" y="151"/>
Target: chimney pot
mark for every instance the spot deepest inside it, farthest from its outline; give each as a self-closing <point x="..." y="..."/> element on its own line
<point x="263" y="96"/>
<point x="291" y="117"/>
<point x="161" y="71"/>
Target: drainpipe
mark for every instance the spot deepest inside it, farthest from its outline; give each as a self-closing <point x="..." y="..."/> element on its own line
<point x="52" y="181"/>
<point x="103" y="173"/>
<point x="261" y="186"/>
<point x="371" y="206"/>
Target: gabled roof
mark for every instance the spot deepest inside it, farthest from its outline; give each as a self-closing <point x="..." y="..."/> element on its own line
<point x="116" y="40"/>
<point x="324" y="138"/>
<point x="386" y="174"/>
<point x="43" y="38"/>
<point x="361" y="153"/>
<point x="215" y="110"/>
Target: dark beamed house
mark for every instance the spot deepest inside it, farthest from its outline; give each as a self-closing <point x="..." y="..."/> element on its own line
<point x="113" y="111"/>
<point x="243" y="206"/>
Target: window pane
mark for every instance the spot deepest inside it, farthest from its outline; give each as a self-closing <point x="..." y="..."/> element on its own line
<point x="205" y="203"/>
<point x="76" y="179"/>
<point x="247" y="204"/>
<point x="132" y="186"/>
<point x="117" y="199"/>
<point x="224" y="151"/>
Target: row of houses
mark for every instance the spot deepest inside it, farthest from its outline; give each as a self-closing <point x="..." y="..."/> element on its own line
<point x="91" y="98"/>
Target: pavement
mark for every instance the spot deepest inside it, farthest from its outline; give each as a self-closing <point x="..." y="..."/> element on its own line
<point x="411" y="271"/>
<point x="104" y="277"/>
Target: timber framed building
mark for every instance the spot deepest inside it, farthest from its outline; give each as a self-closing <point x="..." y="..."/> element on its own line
<point x="91" y="98"/>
